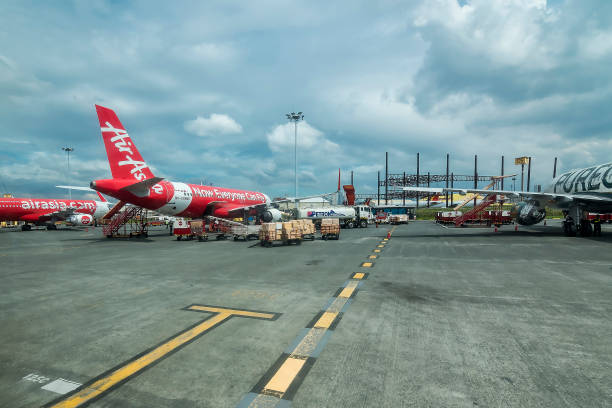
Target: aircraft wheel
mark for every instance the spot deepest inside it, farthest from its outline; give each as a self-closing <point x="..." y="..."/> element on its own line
<point x="26" y="227"/>
<point x="178" y="237"/>
<point x="51" y="227"/>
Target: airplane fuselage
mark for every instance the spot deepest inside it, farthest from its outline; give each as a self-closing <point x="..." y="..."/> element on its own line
<point x="37" y="209"/>
<point x="590" y="180"/>
<point x="182" y="199"/>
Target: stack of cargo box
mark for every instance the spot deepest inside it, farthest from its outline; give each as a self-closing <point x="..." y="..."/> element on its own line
<point x="291" y="230"/>
<point x="398" y="219"/>
<point x="271" y="231"/>
<point x="330" y="226"/>
<point x="307" y="227"/>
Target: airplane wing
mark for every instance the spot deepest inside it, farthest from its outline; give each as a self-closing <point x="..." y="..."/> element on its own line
<point x="265" y="205"/>
<point x="517" y="194"/>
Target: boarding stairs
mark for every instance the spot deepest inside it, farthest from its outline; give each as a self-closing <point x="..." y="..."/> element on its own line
<point x="470" y="215"/>
<point x="129" y="223"/>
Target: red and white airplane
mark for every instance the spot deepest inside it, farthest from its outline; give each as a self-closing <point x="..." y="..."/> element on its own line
<point x="45" y="211"/>
<point x="134" y="183"/>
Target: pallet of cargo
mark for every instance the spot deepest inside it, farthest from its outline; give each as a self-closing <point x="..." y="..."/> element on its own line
<point x="284" y="233"/>
<point x="330" y="229"/>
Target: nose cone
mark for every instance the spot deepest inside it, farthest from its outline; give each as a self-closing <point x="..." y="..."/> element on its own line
<point x="92" y="185"/>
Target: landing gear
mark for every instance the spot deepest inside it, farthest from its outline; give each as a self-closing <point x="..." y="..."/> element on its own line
<point x="582" y="228"/>
<point x="586" y="229"/>
<point x="569" y="228"/>
<point x="26" y="227"/>
<point x="51" y="227"/>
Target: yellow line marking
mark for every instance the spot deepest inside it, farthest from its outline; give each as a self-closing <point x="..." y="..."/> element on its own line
<point x="103" y="384"/>
<point x="124" y="372"/>
<point x="237" y="312"/>
<point x="359" y="275"/>
<point x="348" y="290"/>
<point x="285" y="375"/>
<point x="325" y="320"/>
<point x="373" y="256"/>
<point x="385" y="239"/>
<point x="367" y="265"/>
<point x="380" y="246"/>
<point x="377" y="250"/>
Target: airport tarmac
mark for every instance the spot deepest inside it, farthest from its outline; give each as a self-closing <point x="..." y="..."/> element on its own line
<point x="437" y="318"/>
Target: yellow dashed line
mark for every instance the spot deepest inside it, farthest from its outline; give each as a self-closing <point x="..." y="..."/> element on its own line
<point x="367" y="265"/>
<point x="377" y="250"/>
<point x="380" y="246"/>
<point x="373" y="256"/>
<point x="325" y="320"/>
<point x="348" y="290"/>
<point x="285" y="375"/>
<point x="359" y="275"/>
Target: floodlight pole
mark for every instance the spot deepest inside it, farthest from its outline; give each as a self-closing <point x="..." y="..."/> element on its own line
<point x="68" y="150"/>
<point x="295" y="118"/>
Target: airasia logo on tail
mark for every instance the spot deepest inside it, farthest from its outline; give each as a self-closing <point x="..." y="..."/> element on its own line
<point x="122" y="143"/>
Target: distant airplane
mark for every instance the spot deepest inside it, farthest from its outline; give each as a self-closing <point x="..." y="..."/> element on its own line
<point x="45" y="211"/>
<point x="577" y="191"/>
<point x="134" y="183"/>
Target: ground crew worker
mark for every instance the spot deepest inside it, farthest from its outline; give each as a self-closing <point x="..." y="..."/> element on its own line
<point x="597" y="226"/>
<point x="567" y="223"/>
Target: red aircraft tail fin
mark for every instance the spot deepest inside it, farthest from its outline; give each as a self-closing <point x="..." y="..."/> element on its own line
<point x="124" y="158"/>
<point x="101" y="197"/>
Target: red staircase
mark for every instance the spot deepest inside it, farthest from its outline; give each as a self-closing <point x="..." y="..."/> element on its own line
<point x="487" y="201"/>
<point x="132" y="220"/>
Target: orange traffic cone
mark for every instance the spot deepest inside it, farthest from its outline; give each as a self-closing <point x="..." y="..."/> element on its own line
<point x="516" y="227"/>
<point x="389" y="235"/>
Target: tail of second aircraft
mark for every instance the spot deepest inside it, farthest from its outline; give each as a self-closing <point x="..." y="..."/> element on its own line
<point x="123" y="156"/>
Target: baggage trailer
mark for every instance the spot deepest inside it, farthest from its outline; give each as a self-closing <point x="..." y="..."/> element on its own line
<point x="245" y="232"/>
<point x="188" y="230"/>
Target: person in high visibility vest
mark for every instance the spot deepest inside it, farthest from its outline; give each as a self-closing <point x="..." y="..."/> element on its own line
<point x="597" y="226"/>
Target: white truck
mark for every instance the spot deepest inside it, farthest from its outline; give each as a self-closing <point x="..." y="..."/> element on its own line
<point x="349" y="217"/>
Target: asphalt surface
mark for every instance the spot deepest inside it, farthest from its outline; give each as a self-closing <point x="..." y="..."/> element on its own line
<point x="442" y="318"/>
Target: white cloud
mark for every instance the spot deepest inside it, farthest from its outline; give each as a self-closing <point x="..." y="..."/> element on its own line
<point x="506" y="32"/>
<point x="207" y="52"/>
<point x="281" y="139"/>
<point x="216" y="124"/>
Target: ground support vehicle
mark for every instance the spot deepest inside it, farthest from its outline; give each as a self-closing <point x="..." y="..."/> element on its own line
<point x="347" y="216"/>
<point x="447" y="217"/>
<point x="188" y="230"/>
<point x="219" y="227"/>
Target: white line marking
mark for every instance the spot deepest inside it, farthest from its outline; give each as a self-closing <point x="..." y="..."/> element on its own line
<point x="61" y="386"/>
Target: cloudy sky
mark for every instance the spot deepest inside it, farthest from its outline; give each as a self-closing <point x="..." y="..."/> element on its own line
<point x="203" y="88"/>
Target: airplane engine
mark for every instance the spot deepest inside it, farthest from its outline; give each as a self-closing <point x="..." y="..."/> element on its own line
<point x="80" y="219"/>
<point x="528" y="213"/>
<point x="270" y="215"/>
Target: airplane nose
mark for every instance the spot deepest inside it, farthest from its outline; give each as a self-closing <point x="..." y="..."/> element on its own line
<point x="92" y="185"/>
